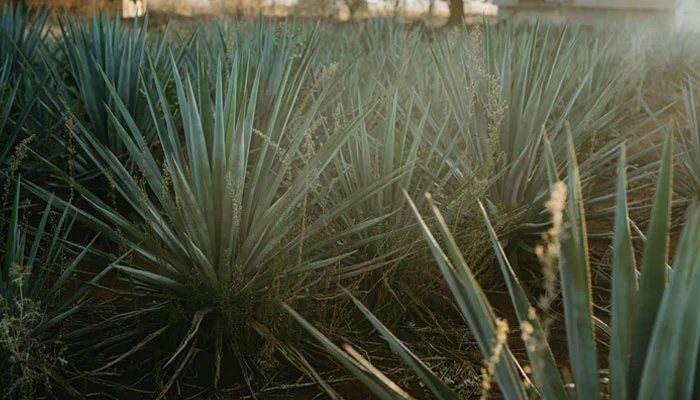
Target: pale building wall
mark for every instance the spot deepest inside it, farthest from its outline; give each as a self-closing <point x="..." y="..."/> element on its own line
<point x="133" y="8"/>
<point x="688" y="15"/>
<point x="678" y="14"/>
<point x="627" y="4"/>
<point x="613" y="4"/>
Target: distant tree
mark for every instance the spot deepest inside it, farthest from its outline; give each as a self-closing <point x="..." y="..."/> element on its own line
<point x="456" y="12"/>
<point x="354" y="6"/>
<point x="431" y="8"/>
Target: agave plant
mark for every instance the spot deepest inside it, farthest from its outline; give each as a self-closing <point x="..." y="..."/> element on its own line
<point x="522" y="86"/>
<point x="221" y="224"/>
<point x="385" y="146"/>
<point x="23" y="32"/>
<point x="37" y="266"/>
<point x="654" y="336"/>
<point x="104" y="53"/>
<point x="272" y="47"/>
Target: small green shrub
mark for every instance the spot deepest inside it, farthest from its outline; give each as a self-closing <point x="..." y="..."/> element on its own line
<point x="33" y="302"/>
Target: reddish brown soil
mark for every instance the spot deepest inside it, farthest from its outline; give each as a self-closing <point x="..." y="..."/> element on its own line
<point x="74" y="6"/>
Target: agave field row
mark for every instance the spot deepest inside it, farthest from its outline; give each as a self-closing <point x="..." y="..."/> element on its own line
<point x="241" y="209"/>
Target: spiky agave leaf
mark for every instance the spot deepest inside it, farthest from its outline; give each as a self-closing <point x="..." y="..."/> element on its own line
<point x="624" y="289"/>
<point x="689" y="161"/>
<point x="674" y="344"/>
<point x="653" y="280"/>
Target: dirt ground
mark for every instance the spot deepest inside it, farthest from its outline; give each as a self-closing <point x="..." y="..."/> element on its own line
<point x="74" y="6"/>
